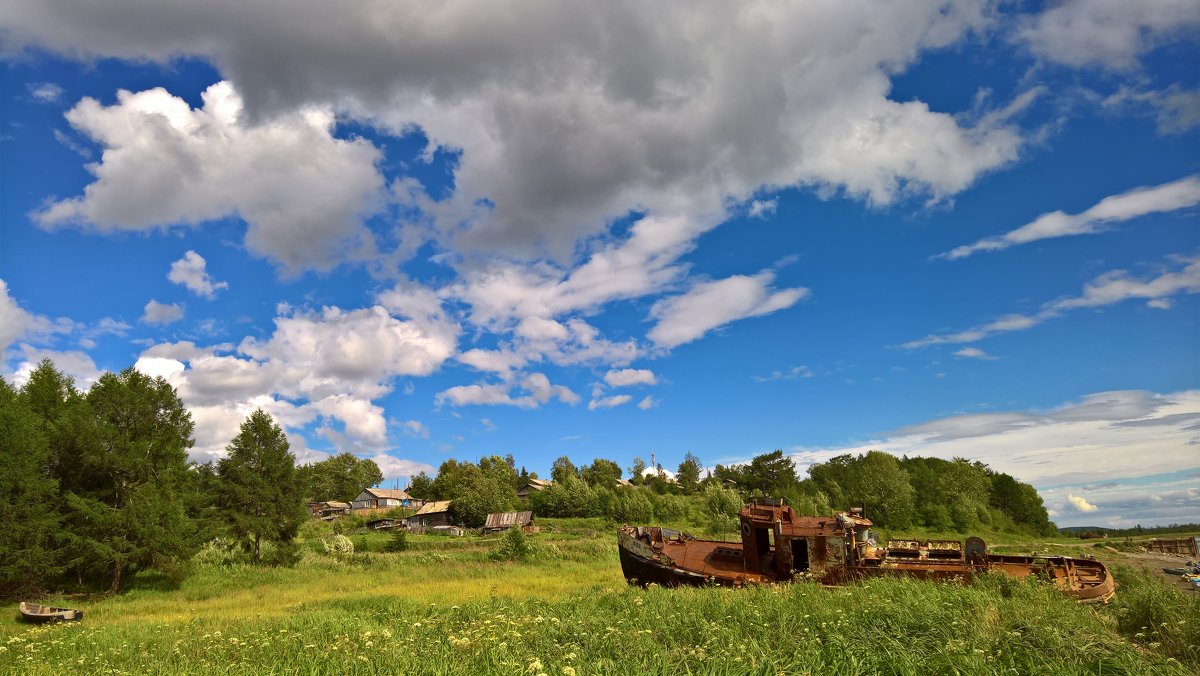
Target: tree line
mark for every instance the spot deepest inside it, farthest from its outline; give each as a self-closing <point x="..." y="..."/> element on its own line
<point x="934" y="494"/>
<point x="97" y="486"/>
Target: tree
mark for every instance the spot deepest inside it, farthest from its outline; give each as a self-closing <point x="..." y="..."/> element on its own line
<point x="721" y="506"/>
<point x="880" y="485"/>
<point x="259" y="496"/>
<point x="342" y="477"/>
<point x="127" y="510"/>
<point x="30" y="550"/>
<point x="636" y="470"/>
<point x="563" y="468"/>
<point x="503" y="469"/>
<point x="770" y="474"/>
<point x="421" y="487"/>
<point x="688" y="475"/>
<point x="601" y="473"/>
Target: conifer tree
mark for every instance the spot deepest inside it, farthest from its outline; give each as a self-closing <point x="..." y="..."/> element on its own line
<point x="128" y="510"/>
<point x="29" y="523"/>
<point x="259" y="496"/>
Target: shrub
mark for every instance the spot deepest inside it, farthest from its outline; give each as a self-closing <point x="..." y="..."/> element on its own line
<point x="338" y="544"/>
<point x="398" y="542"/>
<point x="513" y="547"/>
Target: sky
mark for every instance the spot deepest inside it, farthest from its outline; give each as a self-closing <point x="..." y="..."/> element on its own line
<point x="417" y="231"/>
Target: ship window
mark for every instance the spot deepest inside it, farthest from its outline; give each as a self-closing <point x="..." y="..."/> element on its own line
<point x="799" y="554"/>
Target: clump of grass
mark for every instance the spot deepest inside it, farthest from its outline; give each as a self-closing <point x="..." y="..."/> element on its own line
<point x="1158" y="616"/>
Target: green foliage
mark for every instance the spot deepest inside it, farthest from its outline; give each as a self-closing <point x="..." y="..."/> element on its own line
<point x="769" y="474"/>
<point x="570" y="497"/>
<point x="475" y="491"/>
<point x="1157" y="616"/>
<point x="721" y="506"/>
<point x="338" y="544"/>
<point x="340" y="478"/>
<point x="30" y="547"/>
<point x="258" y="495"/>
<point x="421" y="487"/>
<point x="563" y="469"/>
<point x="397" y="541"/>
<point x="636" y="470"/>
<point x="601" y="473"/>
<point x="127" y="508"/>
<point x="688" y="474"/>
<point x="940" y="495"/>
<point x="513" y="546"/>
<point x="632" y="506"/>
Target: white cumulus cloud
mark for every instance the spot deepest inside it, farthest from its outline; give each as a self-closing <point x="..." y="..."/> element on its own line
<point x="192" y="272"/>
<point x="301" y="191"/>
<point x="1080" y="504"/>
<point x="628" y="377"/>
<point x="162" y="313"/>
<point x="1111" y="33"/>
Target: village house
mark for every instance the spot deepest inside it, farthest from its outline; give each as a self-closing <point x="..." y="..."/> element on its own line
<point x="532" y="486"/>
<point x="328" y="509"/>
<point x="382" y="498"/>
<point x="431" y="515"/>
<point x="501" y="521"/>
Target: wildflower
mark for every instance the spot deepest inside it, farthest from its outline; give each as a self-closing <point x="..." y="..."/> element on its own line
<point x="568" y="671"/>
<point x="535" y="665"/>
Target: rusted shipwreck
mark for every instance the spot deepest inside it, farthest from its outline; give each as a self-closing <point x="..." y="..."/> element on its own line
<point x="779" y="545"/>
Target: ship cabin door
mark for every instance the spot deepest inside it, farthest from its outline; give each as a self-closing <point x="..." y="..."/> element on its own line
<point x="799" y="555"/>
<point x="756" y="543"/>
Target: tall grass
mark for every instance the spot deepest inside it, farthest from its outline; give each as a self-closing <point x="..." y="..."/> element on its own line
<point x="443" y="606"/>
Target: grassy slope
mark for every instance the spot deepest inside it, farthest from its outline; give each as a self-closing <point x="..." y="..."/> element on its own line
<point x="444" y="607"/>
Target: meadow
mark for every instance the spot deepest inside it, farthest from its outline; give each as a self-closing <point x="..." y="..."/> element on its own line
<point x="445" y="605"/>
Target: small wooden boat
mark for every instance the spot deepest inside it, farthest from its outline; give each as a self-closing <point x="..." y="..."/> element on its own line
<point x="32" y="612"/>
<point x="779" y="545"/>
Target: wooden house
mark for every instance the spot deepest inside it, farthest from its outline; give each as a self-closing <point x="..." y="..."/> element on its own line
<point x="501" y="521"/>
<point x="382" y="498"/>
<point x="531" y="486"/>
<point x="329" y="509"/>
<point x="432" y="514"/>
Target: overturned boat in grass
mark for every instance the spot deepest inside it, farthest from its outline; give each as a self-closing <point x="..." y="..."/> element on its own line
<point x="779" y="545"/>
<point x="37" y="614"/>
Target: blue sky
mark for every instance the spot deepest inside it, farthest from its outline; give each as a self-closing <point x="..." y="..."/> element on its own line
<point x="937" y="228"/>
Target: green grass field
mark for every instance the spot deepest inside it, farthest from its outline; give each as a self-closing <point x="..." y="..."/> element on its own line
<point x="444" y="606"/>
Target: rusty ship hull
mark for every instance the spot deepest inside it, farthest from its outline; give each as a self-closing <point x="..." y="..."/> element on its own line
<point x="778" y="546"/>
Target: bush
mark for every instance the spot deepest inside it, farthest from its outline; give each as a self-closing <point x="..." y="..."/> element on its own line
<point x="513" y="547"/>
<point x="398" y="542"/>
<point x="337" y="544"/>
<point x="285" y="554"/>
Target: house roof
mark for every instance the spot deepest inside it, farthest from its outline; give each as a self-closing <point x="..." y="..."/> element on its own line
<point x="537" y="483"/>
<point x="433" y="508"/>
<point x="336" y="505"/>
<point x="506" y="519"/>
<point x="624" y="482"/>
<point x="387" y="493"/>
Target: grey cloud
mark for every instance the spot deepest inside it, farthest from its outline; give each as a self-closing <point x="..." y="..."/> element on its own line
<point x="572" y="114"/>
